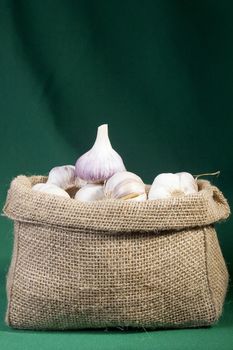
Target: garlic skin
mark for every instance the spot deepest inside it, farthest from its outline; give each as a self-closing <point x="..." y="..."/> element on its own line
<point x="101" y="161"/>
<point x="140" y="198"/>
<point x="50" y="188"/>
<point x="172" y="185"/>
<point x="79" y="182"/>
<point x="125" y="185"/>
<point x="89" y="193"/>
<point x="62" y="176"/>
<point x="187" y="183"/>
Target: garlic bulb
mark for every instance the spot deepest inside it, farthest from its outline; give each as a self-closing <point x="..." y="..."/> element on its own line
<point x="50" y="188"/>
<point x="101" y="161"/>
<point x="62" y="176"/>
<point x="125" y="185"/>
<point x="171" y="185"/>
<point x="90" y="192"/>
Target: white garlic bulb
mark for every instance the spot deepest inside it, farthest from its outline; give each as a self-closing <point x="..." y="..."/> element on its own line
<point x="101" y="161"/>
<point x="171" y="185"/>
<point x="90" y="192"/>
<point x="125" y="185"/>
<point x="62" y="176"/>
<point x="50" y="188"/>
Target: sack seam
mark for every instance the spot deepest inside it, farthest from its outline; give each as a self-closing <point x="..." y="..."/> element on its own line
<point x="208" y="278"/>
<point x="10" y="294"/>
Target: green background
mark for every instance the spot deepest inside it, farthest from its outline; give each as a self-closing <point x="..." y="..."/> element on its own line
<point x="160" y="73"/>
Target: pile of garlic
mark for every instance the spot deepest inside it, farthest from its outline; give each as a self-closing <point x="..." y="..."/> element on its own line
<point x="100" y="174"/>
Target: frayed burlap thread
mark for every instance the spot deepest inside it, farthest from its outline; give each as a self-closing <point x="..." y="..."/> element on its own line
<point x="114" y="263"/>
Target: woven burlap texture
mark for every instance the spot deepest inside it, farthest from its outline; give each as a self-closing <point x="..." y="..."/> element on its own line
<point x="114" y="263"/>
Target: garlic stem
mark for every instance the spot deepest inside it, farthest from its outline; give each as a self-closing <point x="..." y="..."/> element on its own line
<point x="102" y="138"/>
<point x="217" y="173"/>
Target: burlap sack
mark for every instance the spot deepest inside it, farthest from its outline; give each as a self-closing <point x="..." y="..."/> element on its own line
<point x="114" y="263"/>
